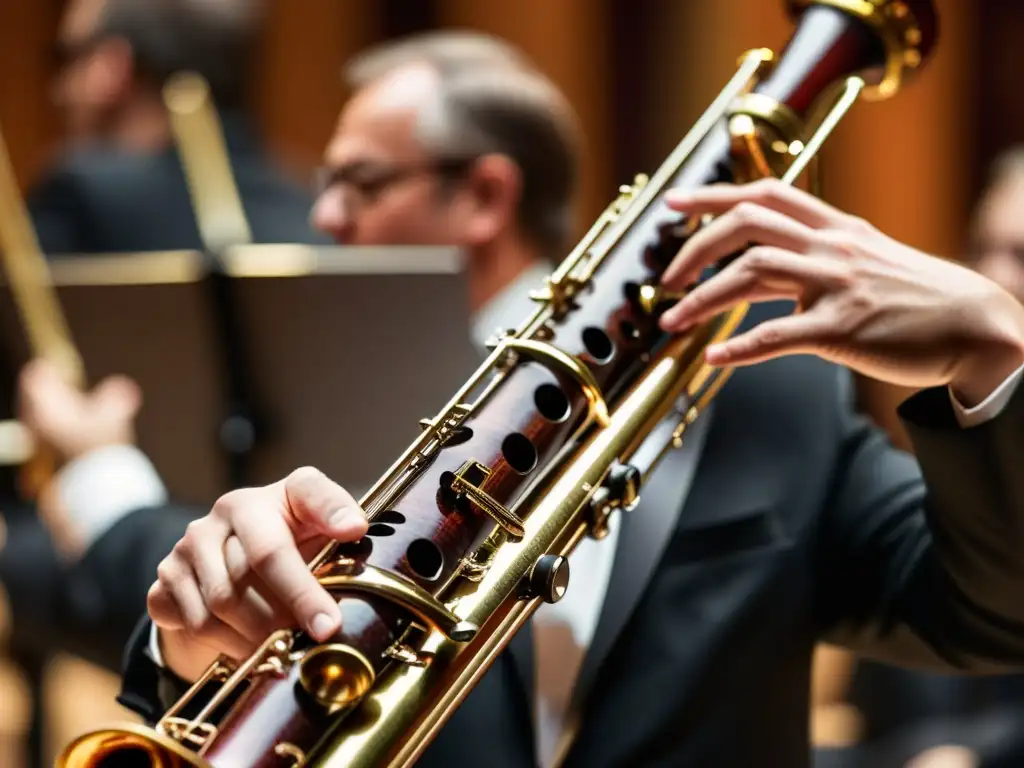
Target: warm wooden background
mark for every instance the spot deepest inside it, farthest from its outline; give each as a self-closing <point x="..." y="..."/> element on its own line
<point x="639" y="72"/>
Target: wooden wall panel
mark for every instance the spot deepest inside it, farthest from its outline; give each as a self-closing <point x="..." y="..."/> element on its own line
<point x="27" y="30"/>
<point x="636" y="87"/>
<point x="406" y="17"/>
<point x="569" y="41"/>
<point x="698" y="48"/>
<point x="998" y="116"/>
<point x="300" y="91"/>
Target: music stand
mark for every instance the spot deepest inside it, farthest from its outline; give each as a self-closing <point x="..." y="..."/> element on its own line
<point x="348" y="348"/>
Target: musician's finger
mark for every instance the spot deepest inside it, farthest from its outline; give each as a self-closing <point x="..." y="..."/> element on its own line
<point x="176" y="577"/>
<point x="314" y="500"/>
<point x="767" y="193"/>
<point x="274" y="556"/>
<point x="761" y="274"/>
<point x="794" y="334"/>
<point x="178" y="580"/>
<point x="745" y="225"/>
<point x="162" y="609"/>
<point x="236" y="562"/>
<point x="268" y="604"/>
<point x="229" y="600"/>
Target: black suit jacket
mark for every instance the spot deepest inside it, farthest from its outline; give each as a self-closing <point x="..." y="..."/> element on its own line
<point x="106" y="200"/>
<point x="802" y="523"/>
<point x="98" y="201"/>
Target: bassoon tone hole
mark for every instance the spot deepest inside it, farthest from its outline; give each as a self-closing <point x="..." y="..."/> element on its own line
<point x="425" y="559"/>
<point x="599" y="344"/>
<point x="552" y="403"/>
<point x="520" y="452"/>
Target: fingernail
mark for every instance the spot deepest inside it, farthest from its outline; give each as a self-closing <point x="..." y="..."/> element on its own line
<point x="346" y="522"/>
<point x="322" y="626"/>
<point x="342" y="518"/>
<point x="673" y="315"/>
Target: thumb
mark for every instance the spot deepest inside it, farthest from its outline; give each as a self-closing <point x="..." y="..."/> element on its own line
<point x="316" y="501"/>
<point x="120" y="395"/>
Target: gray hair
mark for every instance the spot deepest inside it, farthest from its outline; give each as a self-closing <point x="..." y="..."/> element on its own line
<point x="213" y="38"/>
<point x="491" y="99"/>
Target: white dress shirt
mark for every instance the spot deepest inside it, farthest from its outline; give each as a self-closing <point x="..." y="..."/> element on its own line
<point x="563" y="631"/>
<point x="99" y="488"/>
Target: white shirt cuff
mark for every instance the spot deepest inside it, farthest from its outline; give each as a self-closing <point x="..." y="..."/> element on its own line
<point x="99" y="488"/>
<point x="991" y="407"/>
<point x="154" y="646"/>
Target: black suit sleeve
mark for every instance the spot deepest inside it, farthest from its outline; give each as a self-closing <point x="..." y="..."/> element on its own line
<point x="101" y="596"/>
<point x="928" y="574"/>
<point x="147" y="689"/>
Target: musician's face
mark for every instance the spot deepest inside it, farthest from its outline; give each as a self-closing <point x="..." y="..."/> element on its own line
<point x="999" y="236"/>
<point x="93" y="73"/>
<point x="382" y="187"/>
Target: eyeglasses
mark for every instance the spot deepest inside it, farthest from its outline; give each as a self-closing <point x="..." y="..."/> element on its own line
<point x="364" y="183"/>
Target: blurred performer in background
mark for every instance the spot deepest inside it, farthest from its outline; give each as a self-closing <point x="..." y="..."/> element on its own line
<point x="491" y="167"/>
<point x="119" y="187"/>
<point x="997" y="239"/>
<point x="812" y="525"/>
<point x="75" y="566"/>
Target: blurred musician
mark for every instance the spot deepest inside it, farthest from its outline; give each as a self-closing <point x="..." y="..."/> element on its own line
<point x="997" y="237"/>
<point x="491" y="168"/>
<point x="811" y="525"/>
<point x="74" y="574"/>
<point x="119" y="186"/>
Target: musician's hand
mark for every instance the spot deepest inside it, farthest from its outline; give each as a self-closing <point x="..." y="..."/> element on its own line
<point x="241" y="572"/>
<point x="74" y="422"/>
<point x="863" y="299"/>
<point x="946" y="756"/>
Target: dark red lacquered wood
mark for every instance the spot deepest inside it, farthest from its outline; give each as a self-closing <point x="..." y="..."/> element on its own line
<point x="827" y="47"/>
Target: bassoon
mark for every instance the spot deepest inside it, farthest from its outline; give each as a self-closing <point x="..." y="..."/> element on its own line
<point x="471" y="528"/>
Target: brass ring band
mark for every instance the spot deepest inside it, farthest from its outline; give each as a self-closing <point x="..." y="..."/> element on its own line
<point x="774" y="112"/>
<point x="556" y="360"/>
<point x="399" y="589"/>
